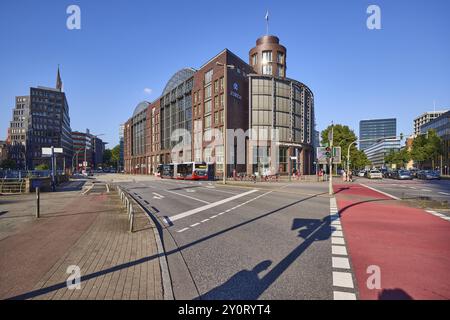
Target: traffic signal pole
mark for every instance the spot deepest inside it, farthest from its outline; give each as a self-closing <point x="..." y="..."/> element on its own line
<point x="330" y="183"/>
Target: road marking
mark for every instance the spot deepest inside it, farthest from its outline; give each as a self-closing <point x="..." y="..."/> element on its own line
<point x="445" y="193"/>
<point x="203" y="221"/>
<point x="213" y="217"/>
<point x="337" y="233"/>
<point x="189" y="197"/>
<point x="190" y="191"/>
<point x="339" y="295"/>
<point x="413" y="188"/>
<point x="107" y="188"/>
<point x="341" y="263"/>
<point x="195" y="224"/>
<point x="209" y="206"/>
<point x="379" y="191"/>
<point x="336" y="240"/>
<point x="182" y="230"/>
<point x="157" y="196"/>
<point x="339" y="250"/>
<point x="336" y="227"/>
<point x="342" y="279"/>
<point x="425" y="190"/>
<point x="88" y="189"/>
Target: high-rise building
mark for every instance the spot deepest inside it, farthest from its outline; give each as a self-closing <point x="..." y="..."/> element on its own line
<point x="377" y="152"/>
<point x="371" y="131"/>
<point x="121" y="146"/>
<point x="41" y="120"/>
<point x="226" y="93"/>
<point x="424" y="119"/>
<point x="82" y="150"/>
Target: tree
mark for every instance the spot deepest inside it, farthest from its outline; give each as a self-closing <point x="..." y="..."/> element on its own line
<point x="399" y="158"/>
<point x="343" y="136"/>
<point x="8" y="164"/>
<point x="115" y="154"/>
<point x="42" y="167"/>
<point x="426" y="147"/>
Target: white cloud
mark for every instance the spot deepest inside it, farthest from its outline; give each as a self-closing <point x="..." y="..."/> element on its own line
<point x="148" y="91"/>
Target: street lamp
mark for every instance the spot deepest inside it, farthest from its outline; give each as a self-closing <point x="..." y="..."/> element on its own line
<point x="225" y="80"/>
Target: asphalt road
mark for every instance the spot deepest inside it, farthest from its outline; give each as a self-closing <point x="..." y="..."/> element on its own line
<point x="438" y="190"/>
<point x="230" y="242"/>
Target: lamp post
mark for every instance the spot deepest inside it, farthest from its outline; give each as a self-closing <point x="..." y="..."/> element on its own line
<point x="225" y="89"/>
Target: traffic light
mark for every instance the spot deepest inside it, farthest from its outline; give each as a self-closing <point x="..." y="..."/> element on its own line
<point x="328" y="152"/>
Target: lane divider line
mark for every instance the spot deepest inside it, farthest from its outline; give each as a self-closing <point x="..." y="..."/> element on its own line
<point x="343" y="285"/>
<point x="379" y="191"/>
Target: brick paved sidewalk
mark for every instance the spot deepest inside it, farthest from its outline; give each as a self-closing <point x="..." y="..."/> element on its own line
<point x="89" y="231"/>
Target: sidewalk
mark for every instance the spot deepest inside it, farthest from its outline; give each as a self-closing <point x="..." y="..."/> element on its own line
<point x="89" y="231"/>
<point x="409" y="245"/>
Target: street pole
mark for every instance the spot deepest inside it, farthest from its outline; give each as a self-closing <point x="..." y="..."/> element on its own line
<point x="348" y="158"/>
<point x="225" y="140"/>
<point x="38" y="198"/>
<point x="53" y="169"/>
<point x="330" y="184"/>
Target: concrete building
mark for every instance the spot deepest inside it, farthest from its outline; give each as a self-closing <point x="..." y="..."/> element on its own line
<point x="424" y="119"/>
<point x="82" y="150"/>
<point x="372" y="130"/>
<point x="442" y="127"/>
<point x="41" y="120"/>
<point x="377" y="152"/>
<point x="187" y="121"/>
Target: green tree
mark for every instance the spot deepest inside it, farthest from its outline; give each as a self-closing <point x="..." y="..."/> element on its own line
<point x="399" y="158"/>
<point x="426" y="147"/>
<point x="115" y="154"/>
<point x="42" y="166"/>
<point x="343" y="136"/>
<point x="8" y="164"/>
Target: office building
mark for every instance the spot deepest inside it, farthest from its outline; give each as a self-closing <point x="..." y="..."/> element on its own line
<point x="377" y="152"/>
<point x="41" y="120"/>
<point x="187" y="121"/>
<point x="82" y="150"/>
<point x="370" y="131"/>
<point x="424" y="119"/>
<point x="442" y="127"/>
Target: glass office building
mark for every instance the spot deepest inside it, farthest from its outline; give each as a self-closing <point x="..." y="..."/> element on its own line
<point x="374" y="130"/>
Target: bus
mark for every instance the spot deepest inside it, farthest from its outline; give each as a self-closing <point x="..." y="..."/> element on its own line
<point x="186" y="171"/>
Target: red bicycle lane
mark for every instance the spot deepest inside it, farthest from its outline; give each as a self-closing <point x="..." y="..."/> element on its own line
<point x="410" y="246"/>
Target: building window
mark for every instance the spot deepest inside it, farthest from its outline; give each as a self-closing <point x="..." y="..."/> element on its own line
<point x="208" y="107"/>
<point x="280" y="57"/>
<point x="280" y="71"/>
<point x="267" y="69"/>
<point x="208" y="76"/>
<point x="216" y="118"/>
<point x="222" y="100"/>
<point x="266" y="57"/>
<point x="216" y="102"/>
<point x="254" y="59"/>
<point x="216" y="86"/>
<point x="208" y="92"/>
<point x="207" y="121"/>
<point x="221" y="83"/>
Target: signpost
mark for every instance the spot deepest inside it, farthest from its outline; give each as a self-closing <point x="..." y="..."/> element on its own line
<point x="51" y="152"/>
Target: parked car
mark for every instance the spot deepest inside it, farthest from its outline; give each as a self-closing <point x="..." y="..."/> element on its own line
<point x="361" y="173"/>
<point x="414" y="172"/>
<point x="403" y="175"/>
<point x="428" y="175"/>
<point x="374" y="174"/>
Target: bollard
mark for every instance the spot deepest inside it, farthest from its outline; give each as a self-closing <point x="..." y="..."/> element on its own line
<point x="38" y="204"/>
<point x="131" y="219"/>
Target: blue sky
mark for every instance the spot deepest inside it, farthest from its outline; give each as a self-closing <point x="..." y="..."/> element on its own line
<point x="124" y="47"/>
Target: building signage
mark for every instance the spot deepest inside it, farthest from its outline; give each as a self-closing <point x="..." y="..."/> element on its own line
<point x="234" y="92"/>
<point x="48" y="151"/>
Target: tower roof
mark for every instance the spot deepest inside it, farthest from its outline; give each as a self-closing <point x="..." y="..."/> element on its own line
<point x="58" y="81"/>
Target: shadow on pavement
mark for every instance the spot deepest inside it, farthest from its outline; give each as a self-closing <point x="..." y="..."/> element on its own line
<point x="247" y="285"/>
<point x="394" y="294"/>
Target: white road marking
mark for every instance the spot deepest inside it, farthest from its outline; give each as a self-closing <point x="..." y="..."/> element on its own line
<point x="182" y="230"/>
<point x="88" y="189"/>
<point x="336" y="233"/>
<point x="445" y="193"/>
<point x="190" y="191"/>
<point x="336" y="240"/>
<point x="339" y="295"/>
<point x="189" y="197"/>
<point x="209" y="206"/>
<point x="213" y="217"/>
<point x="342" y="279"/>
<point x="425" y="190"/>
<point x="194" y="225"/>
<point x="340" y="263"/>
<point x="339" y="250"/>
<point x="413" y="188"/>
<point x="336" y="227"/>
<point x="107" y="188"/>
<point x="379" y="191"/>
<point x="203" y="221"/>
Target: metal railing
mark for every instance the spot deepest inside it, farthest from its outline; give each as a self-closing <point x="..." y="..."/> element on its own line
<point x="127" y="203"/>
<point x="11" y="185"/>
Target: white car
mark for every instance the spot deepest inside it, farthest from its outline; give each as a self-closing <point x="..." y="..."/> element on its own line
<point x="362" y="173"/>
<point x="375" y="174"/>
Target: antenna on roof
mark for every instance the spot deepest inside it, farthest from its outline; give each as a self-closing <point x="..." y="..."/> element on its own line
<point x="267" y="22"/>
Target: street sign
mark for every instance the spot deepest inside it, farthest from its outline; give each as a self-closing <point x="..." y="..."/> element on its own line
<point x="321" y="155"/>
<point x="36" y="184"/>
<point x="337" y="155"/>
<point x="48" y="151"/>
<point x="293" y="158"/>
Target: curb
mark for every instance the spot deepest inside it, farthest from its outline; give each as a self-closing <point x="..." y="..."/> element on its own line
<point x="165" y="273"/>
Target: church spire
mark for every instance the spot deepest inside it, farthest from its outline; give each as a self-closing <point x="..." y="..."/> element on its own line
<point x="58" y="81"/>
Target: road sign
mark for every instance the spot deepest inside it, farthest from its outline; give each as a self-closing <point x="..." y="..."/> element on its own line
<point x="36" y="184"/>
<point x="321" y="155"/>
<point x="337" y="155"/>
<point x="48" y="151"/>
